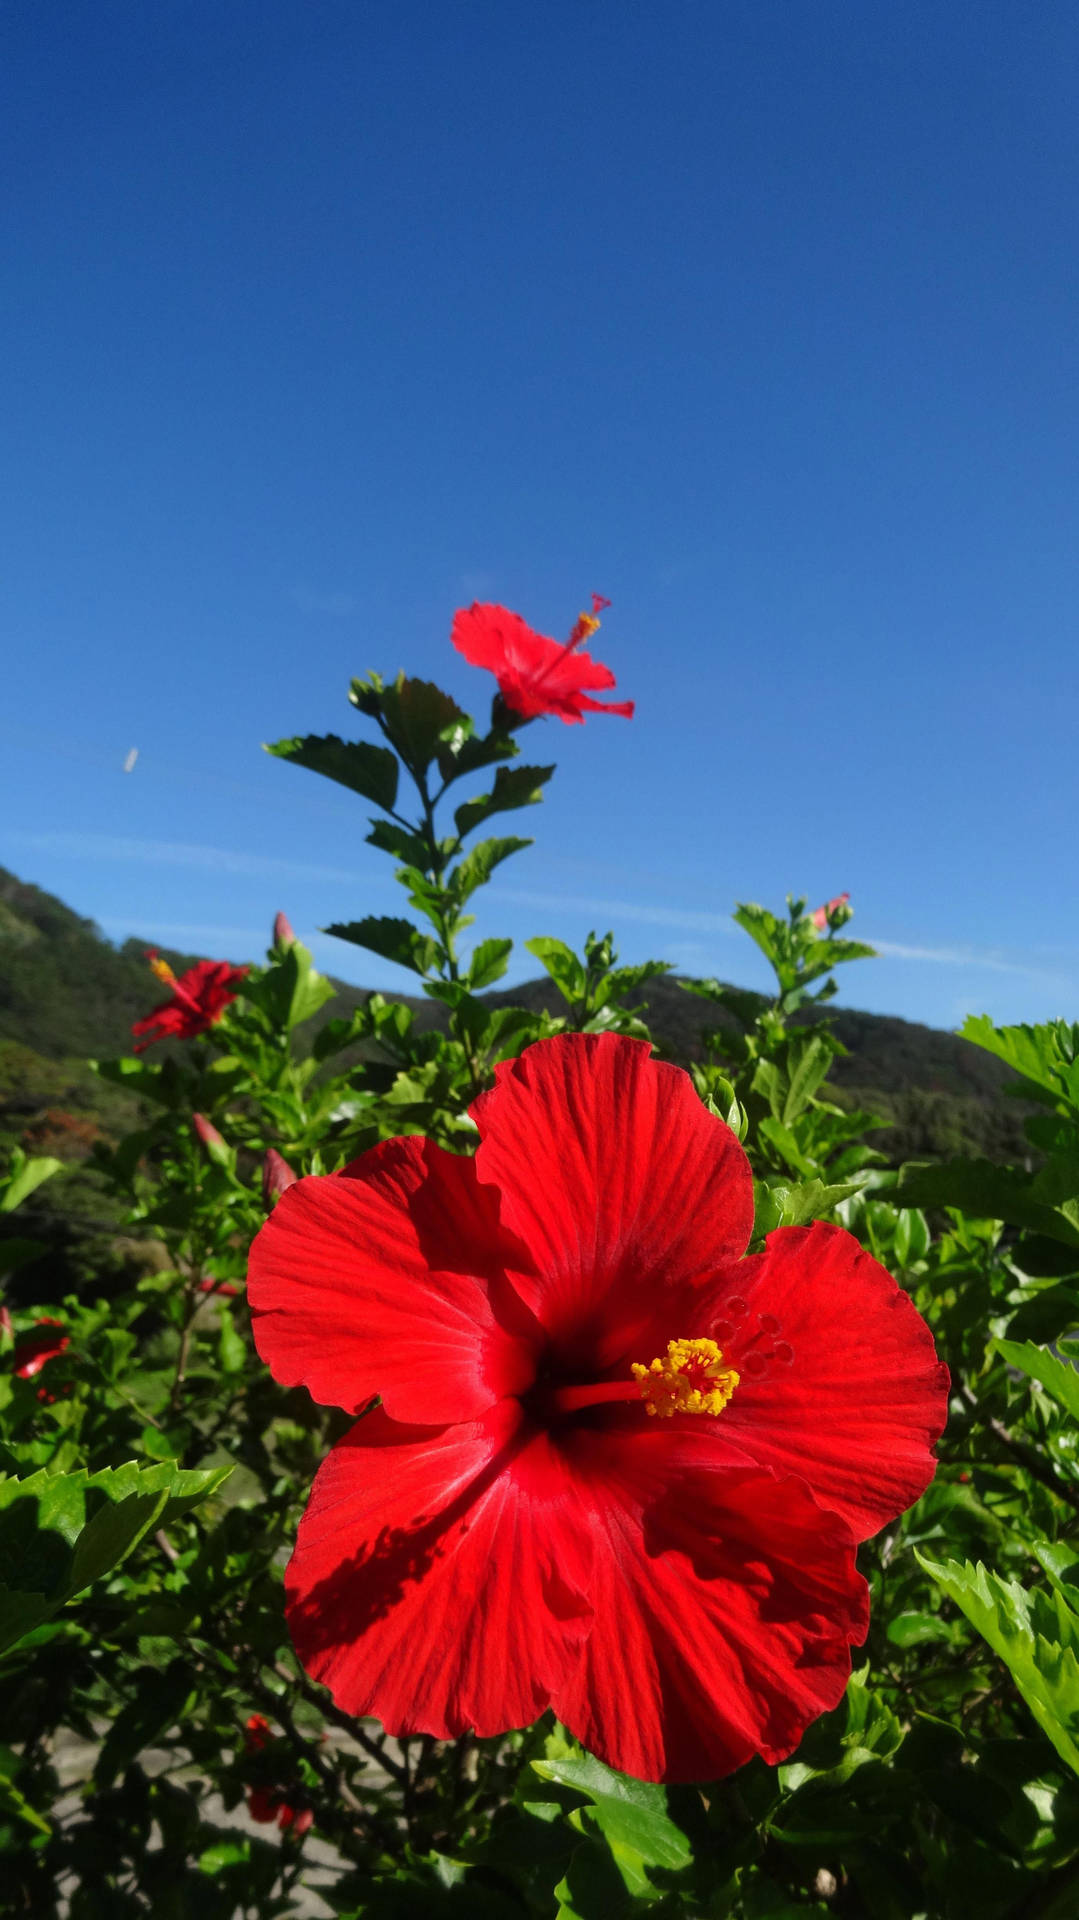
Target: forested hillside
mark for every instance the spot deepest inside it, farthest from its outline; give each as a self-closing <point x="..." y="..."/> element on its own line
<point x="68" y="995"/>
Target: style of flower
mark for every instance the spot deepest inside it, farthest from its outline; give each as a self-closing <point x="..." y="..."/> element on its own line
<point x="833" y="913"/>
<point x="620" y="1467"/>
<point x="198" y="999"/>
<point x="45" y="1341"/>
<point x="536" y="675"/>
<point x="268" y="1803"/>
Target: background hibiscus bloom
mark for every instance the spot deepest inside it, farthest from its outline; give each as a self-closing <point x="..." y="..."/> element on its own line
<point x="536" y="675"/>
<point x="198" y="999"/>
<point x="509" y="1531"/>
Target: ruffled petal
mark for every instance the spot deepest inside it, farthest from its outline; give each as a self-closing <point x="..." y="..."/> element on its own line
<point x="439" y="1579"/>
<point x="620" y="1183"/>
<point x="855" y="1395"/>
<point x="725" y="1607"/>
<point x="389" y="1279"/>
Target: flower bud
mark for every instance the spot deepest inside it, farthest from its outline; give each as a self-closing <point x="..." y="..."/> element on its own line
<point x="276" y="1175"/>
<point x="834" y="913"/>
<point x="283" y="935"/>
<point x="207" y="1133"/>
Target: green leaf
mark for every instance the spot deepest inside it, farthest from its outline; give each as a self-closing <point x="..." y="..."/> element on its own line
<point x="417" y="715"/>
<point x="290" y="989"/>
<point x="988" y="1192"/>
<point x="231" y="1348"/>
<point x="781" y="1205"/>
<point x="468" y="754"/>
<point x="394" y="939"/>
<point x="808" y="1062"/>
<point x="561" y="963"/>
<point x="478" y="865"/>
<point x="25" y="1175"/>
<point x="1058" y="1377"/>
<point x="488" y="963"/>
<point x="1045" y="1057"/>
<point x="912" y="1236"/>
<point x="513" y="787"/>
<point x="355" y="764"/>
<point x="59" y="1532"/>
<point x="1036" y="1634"/>
<point x="632" y="1815"/>
<point x="403" y="844"/>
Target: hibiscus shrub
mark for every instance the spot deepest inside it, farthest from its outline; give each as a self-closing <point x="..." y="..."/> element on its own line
<point x="530" y="1477"/>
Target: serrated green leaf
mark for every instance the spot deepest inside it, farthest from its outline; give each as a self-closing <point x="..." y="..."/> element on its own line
<point x="477" y="866"/>
<point x="418" y="716"/>
<point x="988" y="1192"/>
<point x="1034" y="1633"/>
<point x="561" y="963"/>
<point x="356" y="764"/>
<point x="59" y="1532"/>
<point x="488" y="963"/>
<point x="631" y="1814"/>
<point x="1058" y="1377"/>
<point x="513" y="787"/>
<point x="393" y="938"/>
<point x="1045" y="1057"/>
<point x="781" y="1205"/>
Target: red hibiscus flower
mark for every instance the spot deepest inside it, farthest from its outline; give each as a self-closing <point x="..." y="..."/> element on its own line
<point x="43" y="1343"/>
<point x="536" y="675"/>
<point x="265" y="1804"/>
<point x="199" y="998"/>
<point x="620" y="1468"/>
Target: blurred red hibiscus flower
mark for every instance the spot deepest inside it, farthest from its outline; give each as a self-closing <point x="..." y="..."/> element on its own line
<point x="45" y="1341"/>
<point x="620" y="1468"/>
<point x="198" y="999"/>
<point x="267" y="1803"/>
<point x="536" y="675"/>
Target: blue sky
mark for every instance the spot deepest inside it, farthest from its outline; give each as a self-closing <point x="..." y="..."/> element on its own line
<point x="324" y="319"/>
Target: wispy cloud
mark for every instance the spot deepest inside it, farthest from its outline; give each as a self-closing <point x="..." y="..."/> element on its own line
<point x="613" y="911"/>
<point x="958" y="957"/>
<point x="175" y="853"/>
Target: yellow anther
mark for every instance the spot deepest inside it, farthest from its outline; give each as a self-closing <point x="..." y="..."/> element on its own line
<point x="691" y="1379"/>
<point x="587" y="624"/>
<point x="163" y="970"/>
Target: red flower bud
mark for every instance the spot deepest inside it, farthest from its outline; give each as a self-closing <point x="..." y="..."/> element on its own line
<point x="206" y="1131"/>
<point x="276" y="1175"/>
<point x="219" y="1286"/>
<point x="833" y="913"/>
<point x="6" y="1323"/>
<point x="283" y="935"/>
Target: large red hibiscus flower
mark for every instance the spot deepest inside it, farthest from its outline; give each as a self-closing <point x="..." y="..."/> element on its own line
<point x="536" y="675"/>
<point x="198" y="999"/>
<point x="619" y="1467"/>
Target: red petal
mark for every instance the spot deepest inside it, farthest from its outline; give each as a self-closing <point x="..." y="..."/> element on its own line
<point x="861" y="1402"/>
<point x="619" y="1182"/>
<point x="725" y="1605"/>
<point x="439" y="1576"/>
<point x="388" y="1280"/>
